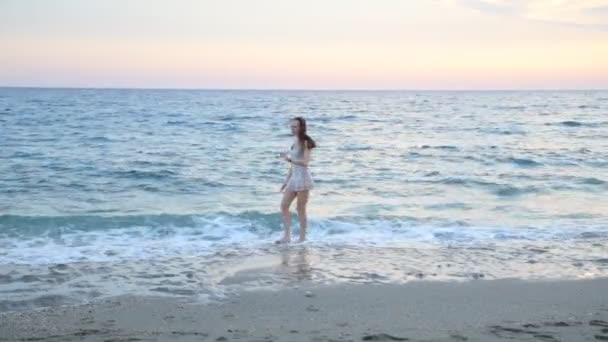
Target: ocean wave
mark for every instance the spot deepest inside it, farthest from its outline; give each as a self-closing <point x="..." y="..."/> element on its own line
<point x="464" y="181"/>
<point x="526" y="162"/>
<point x="505" y="107"/>
<point x="592" y="181"/>
<point x="440" y="147"/>
<point x="499" y="189"/>
<point x="41" y="239"/>
<point x="576" y="123"/>
<point x="140" y="174"/>
<point x="354" y="147"/>
<point x="511" y="190"/>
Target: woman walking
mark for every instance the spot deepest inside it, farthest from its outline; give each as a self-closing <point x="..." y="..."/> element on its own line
<point x="298" y="182"/>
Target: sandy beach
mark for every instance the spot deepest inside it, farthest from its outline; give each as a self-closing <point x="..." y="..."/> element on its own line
<point x="476" y="310"/>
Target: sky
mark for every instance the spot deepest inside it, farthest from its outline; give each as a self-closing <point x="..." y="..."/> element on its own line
<point x="312" y="44"/>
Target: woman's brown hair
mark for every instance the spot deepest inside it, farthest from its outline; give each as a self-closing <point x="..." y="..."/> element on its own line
<point x="302" y="136"/>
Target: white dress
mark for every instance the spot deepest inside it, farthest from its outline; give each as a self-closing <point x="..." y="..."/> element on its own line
<point x="300" y="178"/>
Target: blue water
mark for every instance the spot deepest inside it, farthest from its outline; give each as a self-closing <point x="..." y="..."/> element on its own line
<point x="91" y="175"/>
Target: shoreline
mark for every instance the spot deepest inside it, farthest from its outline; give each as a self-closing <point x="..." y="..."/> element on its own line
<point x="474" y="310"/>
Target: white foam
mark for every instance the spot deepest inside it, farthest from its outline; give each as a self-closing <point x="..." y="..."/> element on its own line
<point x="211" y="234"/>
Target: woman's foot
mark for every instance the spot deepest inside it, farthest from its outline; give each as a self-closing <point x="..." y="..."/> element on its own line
<point x="283" y="240"/>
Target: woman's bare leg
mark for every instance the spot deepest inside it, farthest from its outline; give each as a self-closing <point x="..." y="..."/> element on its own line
<point x="301" y="207"/>
<point x="288" y="197"/>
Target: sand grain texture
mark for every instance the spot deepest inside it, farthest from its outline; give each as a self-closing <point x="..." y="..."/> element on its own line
<point x="480" y="310"/>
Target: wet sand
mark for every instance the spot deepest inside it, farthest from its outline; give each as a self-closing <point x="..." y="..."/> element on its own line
<point x="477" y="310"/>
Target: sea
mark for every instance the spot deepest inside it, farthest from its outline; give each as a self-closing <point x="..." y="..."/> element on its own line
<point x="109" y="192"/>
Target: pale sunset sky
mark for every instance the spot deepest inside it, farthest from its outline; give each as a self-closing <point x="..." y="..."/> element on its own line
<point x="312" y="44"/>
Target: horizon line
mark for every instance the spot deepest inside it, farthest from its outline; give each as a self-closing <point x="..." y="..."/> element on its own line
<point x="299" y="89"/>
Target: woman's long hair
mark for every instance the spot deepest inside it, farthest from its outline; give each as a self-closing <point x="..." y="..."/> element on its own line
<point x="302" y="136"/>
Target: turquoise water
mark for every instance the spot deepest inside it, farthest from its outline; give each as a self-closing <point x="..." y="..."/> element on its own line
<point x="118" y="176"/>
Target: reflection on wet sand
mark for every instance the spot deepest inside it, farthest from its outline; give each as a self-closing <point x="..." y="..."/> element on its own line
<point x="296" y="262"/>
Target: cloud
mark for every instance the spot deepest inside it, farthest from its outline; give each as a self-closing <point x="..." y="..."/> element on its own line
<point x="579" y="13"/>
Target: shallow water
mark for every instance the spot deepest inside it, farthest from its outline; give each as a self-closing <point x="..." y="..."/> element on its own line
<point x="109" y="183"/>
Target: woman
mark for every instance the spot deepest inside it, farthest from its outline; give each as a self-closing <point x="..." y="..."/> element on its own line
<point x="298" y="182"/>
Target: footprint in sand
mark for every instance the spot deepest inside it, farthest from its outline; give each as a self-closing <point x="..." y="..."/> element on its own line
<point x="312" y="308"/>
<point x="515" y="333"/>
<point x="604" y="330"/>
<point x="383" y="337"/>
<point x="459" y="337"/>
